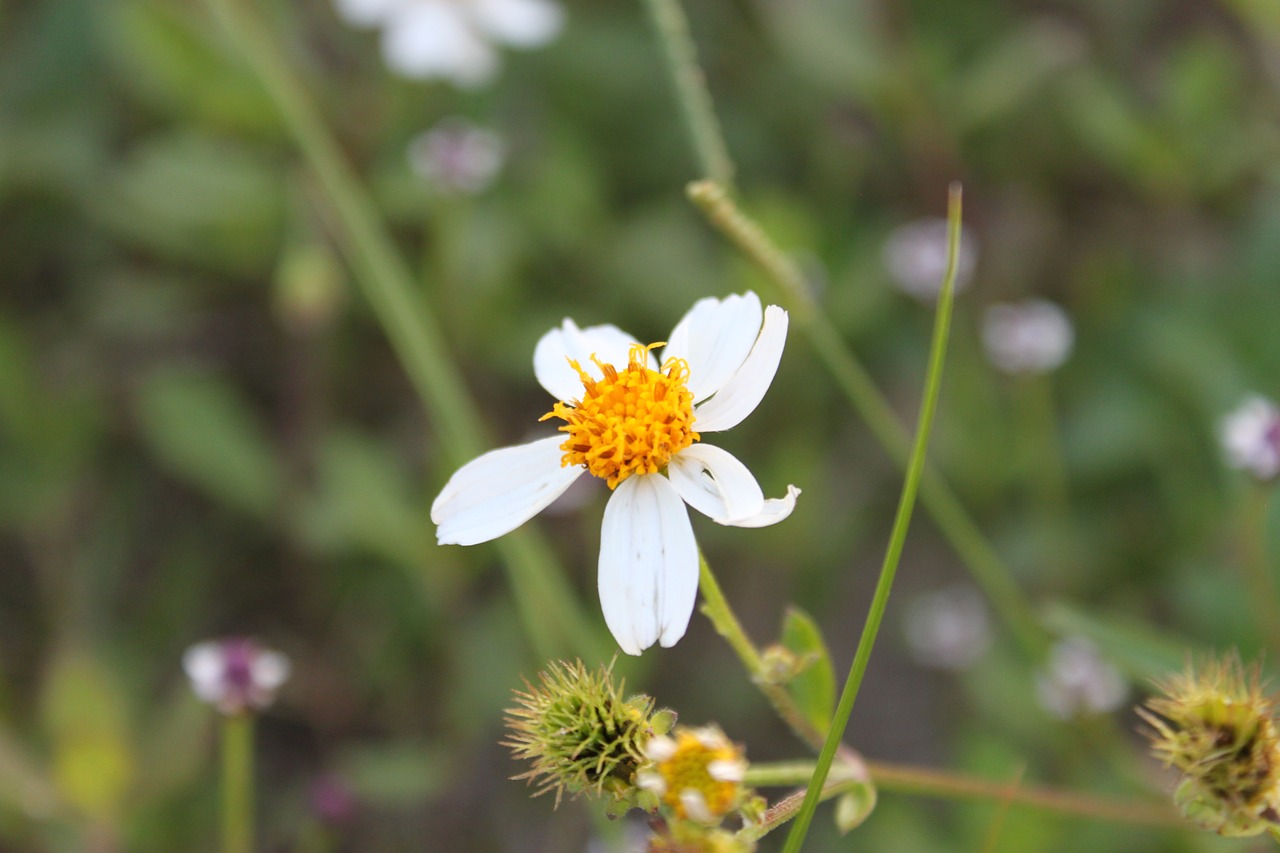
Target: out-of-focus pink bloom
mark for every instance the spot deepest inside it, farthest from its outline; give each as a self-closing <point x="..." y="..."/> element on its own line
<point x="235" y="674"/>
<point x="1251" y="438"/>
<point x="1033" y="336"/>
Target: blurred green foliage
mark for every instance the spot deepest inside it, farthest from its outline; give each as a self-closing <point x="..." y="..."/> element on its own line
<point x="200" y="433"/>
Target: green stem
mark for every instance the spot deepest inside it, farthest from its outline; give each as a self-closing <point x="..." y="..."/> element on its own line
<point x="898" y="537"/>
<point x="922" y="781"/>
<point x="237" y="783"/>
<point x="716" y="608"/>
<point x="1258" y="571"/>
<point x="549" y="610"/>
<point x="691" y="90"/>
<point x="945" y="508"/>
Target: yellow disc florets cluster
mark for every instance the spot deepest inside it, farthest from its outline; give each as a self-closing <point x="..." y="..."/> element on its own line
<point x="698" y="773"/>
<point x="631" y="421"/>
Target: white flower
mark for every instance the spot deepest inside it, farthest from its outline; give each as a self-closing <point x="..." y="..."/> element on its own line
<point x="630" y="420"/>
<point x="1077" y="681"/>
<point x="456" y="157"/>
<point x="235" y="674"/>
<point x="1251" y="438"/>
<point x="916" y="256"/>
<point x="1033" y="336"/>
<point x="453" y="39"/>
<point x="948" y="628"/>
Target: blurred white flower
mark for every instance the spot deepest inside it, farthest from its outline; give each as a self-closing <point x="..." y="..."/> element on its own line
<point x="948" y="628"/>
<point x="1033" y="336"/>
<point x="457" y="157"/>
<point x="453" y="39"/>
<point x="1251" y="438"/>
<point x="1077" y="681"/>
<point x="235" y="674"/>
<point x="916" y="256"/>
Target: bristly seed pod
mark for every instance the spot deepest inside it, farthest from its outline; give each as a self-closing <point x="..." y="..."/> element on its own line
<point x="581" y="735"/>
<point x="1217" y="727"/>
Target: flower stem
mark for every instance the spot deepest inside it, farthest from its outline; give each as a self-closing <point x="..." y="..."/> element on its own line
<point x="1258" y="572"/>
<point x="237" y="783"/>
<point x="552" y="617"/>
<point x="856" y="383"/>
<point x="691" y="90"/>
<point x="915" y="469"/>
<point x="906" y="779"/>
<point x="716" y="608"/>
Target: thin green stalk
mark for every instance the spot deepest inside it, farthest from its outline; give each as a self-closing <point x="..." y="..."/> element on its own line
<point x="944" y="507"/>
<point x="1259" y="574"/>
<point x="716" y="608"/>
<point x="898" y="537"/>
<point x="553" y="619"/>
<point x="237" y="783"/>
<point x="691" y="90"/>
<point x="923" y="781"/>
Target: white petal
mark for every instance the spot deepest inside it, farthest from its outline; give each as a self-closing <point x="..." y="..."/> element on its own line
<point x="366" y="13"/>
<point x="775" y="510"/>
<point x="557" y="347"/>
<point x="715" y="483"/>
<point x="715" y="337"/>
<point x="648" y="564"/>
<point x="430" y="39"/>
<point x="695" y="805"/>
<point x="495" y="493"/>
<point x="204" y="664"/>
<point x="519" y="23"/>
<point x="739" y="397"/>
<point x="270" y="670"/>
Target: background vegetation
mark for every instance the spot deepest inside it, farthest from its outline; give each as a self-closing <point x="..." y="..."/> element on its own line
<point x="203" y="429"/>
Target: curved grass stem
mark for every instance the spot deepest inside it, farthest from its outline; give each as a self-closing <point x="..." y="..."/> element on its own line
<point x="716" y="608"/>
<point x="939" y="500"/>
<point x="897" y="538"/>
<point x="690" y="85"/>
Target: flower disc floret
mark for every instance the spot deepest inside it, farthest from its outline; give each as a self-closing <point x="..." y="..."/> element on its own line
<point x="632" y="421"/>
<point x="698" y="773"/>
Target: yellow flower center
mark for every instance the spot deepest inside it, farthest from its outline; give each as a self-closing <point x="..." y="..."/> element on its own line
<point x="632" y="421"/>
<point x="690" y="769"/>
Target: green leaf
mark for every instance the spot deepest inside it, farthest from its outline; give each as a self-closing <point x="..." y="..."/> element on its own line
<point x="202" y="429"/>
<point x="814" y="687"/>
<point x="855" y="806"/>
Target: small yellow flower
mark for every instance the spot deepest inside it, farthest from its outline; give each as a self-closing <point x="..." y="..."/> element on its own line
<point x="698" y="773"/>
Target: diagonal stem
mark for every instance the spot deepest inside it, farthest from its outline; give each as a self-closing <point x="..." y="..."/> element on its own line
<point x="856" y="383"/>
<point x="897" y="538"/>
<point x="550" y="612"/>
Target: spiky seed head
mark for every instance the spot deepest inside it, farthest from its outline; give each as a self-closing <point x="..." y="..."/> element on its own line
<point x="1215" y="724"/>
<point x="578" y="732"/>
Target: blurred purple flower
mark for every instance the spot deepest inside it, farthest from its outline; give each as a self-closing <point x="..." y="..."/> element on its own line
<point x="1033" y="336"/>
<point x="235" y="674"/>
<point x="1251" y="438"/>
<point x="916" y="256"/>
<point x="457" y="157"/>
<point x="1076" y="681"/>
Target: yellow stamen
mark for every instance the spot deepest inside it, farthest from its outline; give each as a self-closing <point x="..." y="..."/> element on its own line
<point x="630" y="422"/>
<point x="692" y="768"/>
